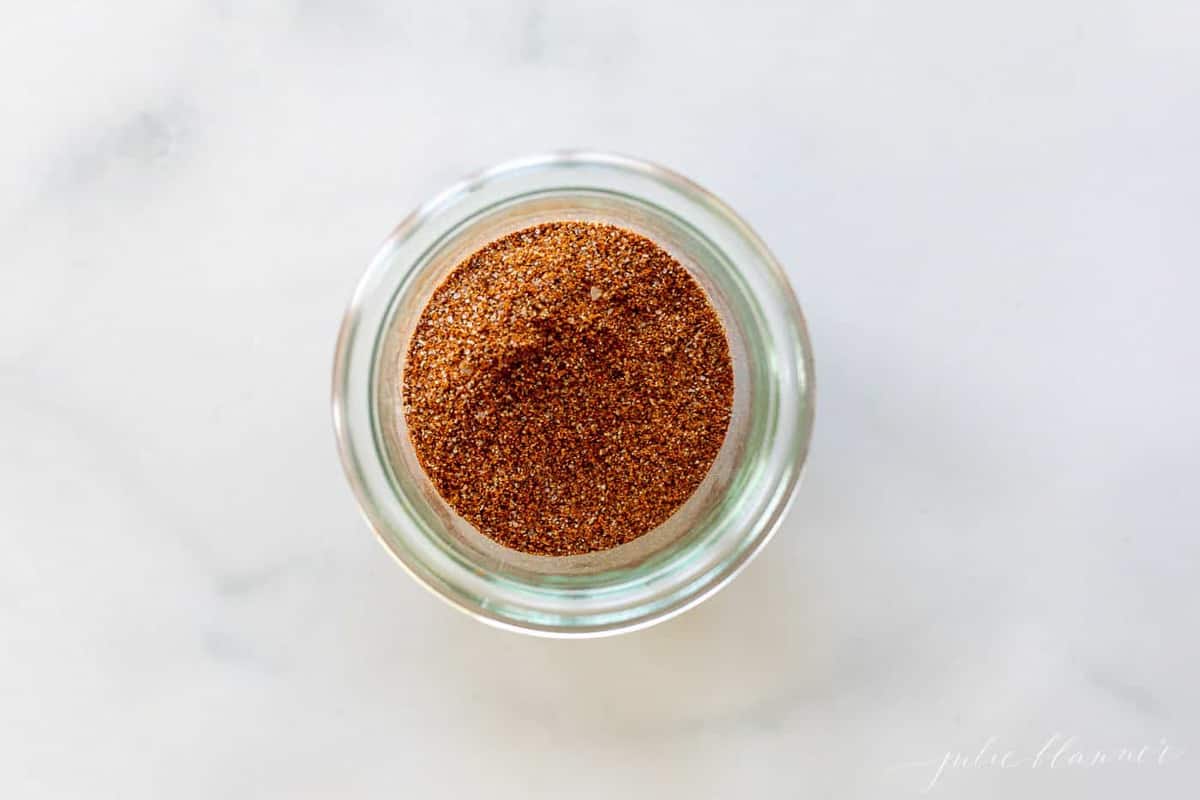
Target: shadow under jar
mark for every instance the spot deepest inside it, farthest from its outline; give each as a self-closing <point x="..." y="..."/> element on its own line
<point x="713" y="534"/>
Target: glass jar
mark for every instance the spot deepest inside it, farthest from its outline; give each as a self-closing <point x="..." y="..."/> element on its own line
<point x="713" y="535"/>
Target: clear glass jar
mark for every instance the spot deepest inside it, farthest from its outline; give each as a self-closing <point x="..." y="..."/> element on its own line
<point x="704" y="544"/>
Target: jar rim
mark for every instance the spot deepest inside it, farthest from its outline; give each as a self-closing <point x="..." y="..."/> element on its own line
<point x="367" y="315"/>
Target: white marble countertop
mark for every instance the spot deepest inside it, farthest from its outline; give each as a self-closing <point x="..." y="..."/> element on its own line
<point x="989" y="211"/>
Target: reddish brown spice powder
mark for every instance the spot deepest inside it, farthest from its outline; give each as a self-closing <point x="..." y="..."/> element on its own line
<point x="567" y="388"/>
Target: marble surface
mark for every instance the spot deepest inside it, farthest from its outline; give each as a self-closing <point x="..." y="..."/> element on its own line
<point x="989" y="212"/>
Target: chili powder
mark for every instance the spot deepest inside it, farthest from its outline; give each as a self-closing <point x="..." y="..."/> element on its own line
<point x="567" y="387"/>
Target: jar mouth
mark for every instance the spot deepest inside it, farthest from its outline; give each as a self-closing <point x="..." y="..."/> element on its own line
<point x="695" y="553"/>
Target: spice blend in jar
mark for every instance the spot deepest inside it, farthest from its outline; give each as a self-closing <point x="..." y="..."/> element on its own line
<point x="567" y="388"/>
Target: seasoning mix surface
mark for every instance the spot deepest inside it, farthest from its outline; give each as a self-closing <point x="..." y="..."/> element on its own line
<point x="567" y="388"/>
